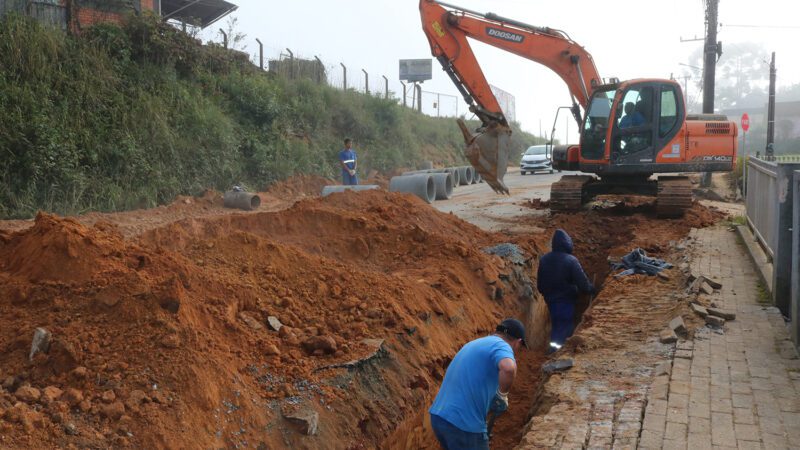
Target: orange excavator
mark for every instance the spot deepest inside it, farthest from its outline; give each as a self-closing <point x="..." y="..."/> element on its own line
<point x="630" y="130"/>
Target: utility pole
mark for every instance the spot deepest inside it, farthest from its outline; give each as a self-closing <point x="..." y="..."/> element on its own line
<point x="404" y="94"/>
<point x="344" y="76"/>
<point x="712" y="50"/>
<point x="419" y="97"/>
<point x="770" y="150"/>
<point x="366" y="81"/>
<point x="386" y="89"/>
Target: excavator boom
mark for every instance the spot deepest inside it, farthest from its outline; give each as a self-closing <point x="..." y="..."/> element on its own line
<point x="448" y="27"/>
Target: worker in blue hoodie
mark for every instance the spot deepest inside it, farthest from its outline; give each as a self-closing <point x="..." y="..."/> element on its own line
<point x="560" y="279"/>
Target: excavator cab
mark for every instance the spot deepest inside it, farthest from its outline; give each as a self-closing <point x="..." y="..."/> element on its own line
<point x="625" y="128"/>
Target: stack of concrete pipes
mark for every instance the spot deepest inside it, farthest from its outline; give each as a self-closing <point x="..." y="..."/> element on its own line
<point x="434" y="184"/>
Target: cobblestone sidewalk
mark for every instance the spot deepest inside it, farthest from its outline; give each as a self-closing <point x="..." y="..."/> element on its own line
<point x="738" y="387"/>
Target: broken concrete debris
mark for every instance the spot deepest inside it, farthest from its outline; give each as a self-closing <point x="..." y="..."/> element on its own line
<point x="667" y="336"/>
<point x="303" y="416"/>
<point x="724" y="314"/>
<point x="274" y="323"/>
<point x="699" y="309"/>
<point x="715" y="321"/>
<point x="250" y="321"/>
<point x="41" y="342"/>
<point x="677" y="325"/>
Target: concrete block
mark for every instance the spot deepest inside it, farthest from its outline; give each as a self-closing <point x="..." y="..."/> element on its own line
<point x="715" y="321"/>
<point x="699" y="310"/>
<point x="677" y="325"/>
<point x="727" y="315"/>
<point x="667" y="336"/>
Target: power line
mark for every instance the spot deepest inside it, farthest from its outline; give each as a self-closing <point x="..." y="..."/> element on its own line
<point x="793" y="27"/>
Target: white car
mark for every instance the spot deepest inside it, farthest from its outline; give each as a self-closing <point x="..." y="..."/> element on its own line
<point x="536" y="159"/>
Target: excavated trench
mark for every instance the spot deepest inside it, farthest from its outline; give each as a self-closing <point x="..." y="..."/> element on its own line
<point x="612" y="230"/>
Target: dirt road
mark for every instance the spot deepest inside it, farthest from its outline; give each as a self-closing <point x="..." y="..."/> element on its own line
<point x="480" y="206"/>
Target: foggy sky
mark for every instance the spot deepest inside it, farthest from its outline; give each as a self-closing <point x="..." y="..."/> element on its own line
<point x="627" y="38"/>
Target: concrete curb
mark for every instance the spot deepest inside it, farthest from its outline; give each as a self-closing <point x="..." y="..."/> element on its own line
<point x="757" y="255"/>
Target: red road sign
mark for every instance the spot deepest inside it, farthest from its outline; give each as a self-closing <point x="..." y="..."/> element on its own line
<point x="745" y="122"/>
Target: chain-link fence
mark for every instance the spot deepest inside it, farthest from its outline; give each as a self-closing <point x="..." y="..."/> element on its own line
<point x="293" y="64"/>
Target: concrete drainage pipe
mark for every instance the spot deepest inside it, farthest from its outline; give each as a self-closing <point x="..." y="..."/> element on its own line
<point x="444" y="185"/>
<point x="465" y="175"/>
<point x="421" y="185"/>
<point x="241" y="200"/>
<point x="453" y="173"/>
<point x="328" y="190"/>
<point x="478" y="177"/>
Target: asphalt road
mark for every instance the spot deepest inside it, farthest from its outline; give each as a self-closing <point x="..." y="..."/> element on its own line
<point x="481" y="206"/>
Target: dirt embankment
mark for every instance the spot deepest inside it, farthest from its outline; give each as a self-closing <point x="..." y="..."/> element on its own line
<point x="162" y="340"/>
<point x="161" y="337"/>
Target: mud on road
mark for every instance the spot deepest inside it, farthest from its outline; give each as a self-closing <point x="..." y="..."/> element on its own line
<point x="162" y="320"/>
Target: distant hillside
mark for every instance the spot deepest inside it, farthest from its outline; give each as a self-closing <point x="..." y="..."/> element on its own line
<point x="129" y="117"/>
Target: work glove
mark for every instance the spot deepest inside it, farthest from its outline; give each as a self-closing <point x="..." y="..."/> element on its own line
<point x="499" y="402"/>
<point x="352" y="172"/>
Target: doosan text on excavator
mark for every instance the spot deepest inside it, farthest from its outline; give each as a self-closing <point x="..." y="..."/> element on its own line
<point x="629" y="130"/>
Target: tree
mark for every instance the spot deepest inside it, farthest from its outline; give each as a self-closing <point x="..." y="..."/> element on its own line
<point x="742" y="76"/>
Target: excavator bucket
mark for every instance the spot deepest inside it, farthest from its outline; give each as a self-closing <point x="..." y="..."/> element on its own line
<point x="488" y="152"/>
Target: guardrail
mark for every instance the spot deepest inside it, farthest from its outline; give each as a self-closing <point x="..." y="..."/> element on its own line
<point x="761" y="201"/>
<point x="771" y="209"/>
<point x="795" y="298"/>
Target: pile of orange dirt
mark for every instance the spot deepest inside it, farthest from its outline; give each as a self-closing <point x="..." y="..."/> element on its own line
<point x="168" y="340"/>
<point x="299" y="186"/>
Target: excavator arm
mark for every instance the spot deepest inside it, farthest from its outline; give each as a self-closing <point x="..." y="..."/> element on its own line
<point x="448" y="27"/>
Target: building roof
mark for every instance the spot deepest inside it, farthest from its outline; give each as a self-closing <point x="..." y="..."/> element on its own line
<point x="199" y="12"/>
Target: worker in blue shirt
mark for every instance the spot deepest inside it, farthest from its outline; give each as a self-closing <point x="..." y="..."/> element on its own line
<point x="632" y="117"/>
<point x="559" y="279"/>
<point x="349" y="162"/>
<point x="477" y="382"/>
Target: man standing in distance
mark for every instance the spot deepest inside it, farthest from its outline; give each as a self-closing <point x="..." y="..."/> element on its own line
<point x="477" y="381"/>
<point x="349" y="162"/>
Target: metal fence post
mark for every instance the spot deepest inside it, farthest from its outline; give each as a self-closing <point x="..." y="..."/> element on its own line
<point x="386" y="92"/>
<point x="291" y="64"/>
<point x="260" y="54"/>
<point x="366" y="81"/>
<point x="344" y="76"/>
<point x="224" y="38"/>
<point x="321" y="71"/>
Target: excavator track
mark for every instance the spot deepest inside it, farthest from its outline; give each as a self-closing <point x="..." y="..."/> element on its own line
<point x="567" y="194"/>
<point x="674" y="196"/>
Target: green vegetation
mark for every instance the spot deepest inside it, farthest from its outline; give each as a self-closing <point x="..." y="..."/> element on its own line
<point x="129" y="117"/>
<point x="764" y="296"/>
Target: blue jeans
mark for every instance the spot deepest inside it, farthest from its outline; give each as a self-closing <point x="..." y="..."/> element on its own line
<point x="349" y="180"/>
<point x="562" y="318"/>
<point x="452" y="438"/>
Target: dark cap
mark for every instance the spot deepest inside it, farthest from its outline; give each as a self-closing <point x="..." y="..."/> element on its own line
<point x="513" y="328"/>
